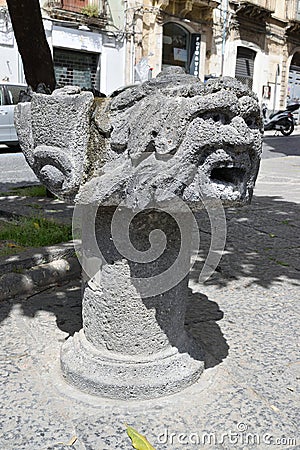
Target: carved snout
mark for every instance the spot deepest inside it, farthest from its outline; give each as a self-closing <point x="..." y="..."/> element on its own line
<point x="55" y="169"/>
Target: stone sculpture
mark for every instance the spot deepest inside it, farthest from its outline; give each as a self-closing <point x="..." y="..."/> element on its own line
<point x="136" y="164"/>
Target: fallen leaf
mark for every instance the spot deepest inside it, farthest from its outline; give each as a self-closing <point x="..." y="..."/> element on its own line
<point x="139" y="442"/>
<point x="70" y="442"/>
<point x="36" y="225"/>
<point x="275" y="408"/>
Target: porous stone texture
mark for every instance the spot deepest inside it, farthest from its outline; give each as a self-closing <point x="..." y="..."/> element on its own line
<point x="246" y="319"/>
<point x="133" y="346"/>
<point x="147" y="149"/>
<point x="176" y="137"/>
<point x="168" y="137"/>
<point x="53" y="132"/>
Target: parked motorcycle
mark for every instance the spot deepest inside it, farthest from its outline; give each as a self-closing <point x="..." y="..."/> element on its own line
<point x="282" y="120"/>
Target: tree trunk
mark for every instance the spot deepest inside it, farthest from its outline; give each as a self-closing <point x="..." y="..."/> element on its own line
<point x="33" y="47"/>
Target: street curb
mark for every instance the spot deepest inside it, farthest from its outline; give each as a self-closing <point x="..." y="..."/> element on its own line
<point x="31" y="271"/>
<point x="36" y="256"/>
<point x="31" y="281"/>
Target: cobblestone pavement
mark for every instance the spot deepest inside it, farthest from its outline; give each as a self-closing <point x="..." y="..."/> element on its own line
<point x="246" y="318"/>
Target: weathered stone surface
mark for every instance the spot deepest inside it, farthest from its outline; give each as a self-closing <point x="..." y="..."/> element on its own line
<point x="171" y="136"/>
<point x="175" y="137"/>
<point x="142" y="155"/>
<point x="133" y="345"/>
<point x="54" y="131"/>
<point x="37" y="278"/>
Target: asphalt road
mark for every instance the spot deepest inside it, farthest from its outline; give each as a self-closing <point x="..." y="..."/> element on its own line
<point x="278" y="145"/>
<point x="14" y="171"/>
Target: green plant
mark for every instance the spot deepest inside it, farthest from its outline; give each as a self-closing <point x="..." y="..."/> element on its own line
<point x="19" y="270"/>
<point x="30" y="191"/>
<point x="10" y="248"/>
<point x="90" y="10"/>
<point x="34" y="232"/>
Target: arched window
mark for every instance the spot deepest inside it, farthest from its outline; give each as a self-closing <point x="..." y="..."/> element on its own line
<point x="294" y="78"/>
<point x="181" y="48"/>
<point x="244" y="65"/>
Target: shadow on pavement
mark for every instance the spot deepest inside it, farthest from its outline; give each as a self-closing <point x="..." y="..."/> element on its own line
<point x="262" y="246"/>
<point x="49" y="208"/>
<point x="63" y="301"/>
<point x="262" y="249"/>
<point x="283" y="145"/>
<point x="10" y="149"/>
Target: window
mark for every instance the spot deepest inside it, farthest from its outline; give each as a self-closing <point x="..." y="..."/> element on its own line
<point x="245" y="65"/>
<point x="175" y="46"/>
<point x="181" y="48"/>
<point x="14" y="93"/>
<point x="76" y="68"/>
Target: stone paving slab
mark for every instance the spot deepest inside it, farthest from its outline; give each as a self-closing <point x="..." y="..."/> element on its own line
<point x="251" y="380"/>
<point x="246" y="317"/>
<point x="280" y="177"/>
<point x="14" y="171"/>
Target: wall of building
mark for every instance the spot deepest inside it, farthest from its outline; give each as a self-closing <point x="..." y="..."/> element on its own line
<point x="10" y="62"/>
<point x="133" y="39"/>
<point x="107" y="46"/>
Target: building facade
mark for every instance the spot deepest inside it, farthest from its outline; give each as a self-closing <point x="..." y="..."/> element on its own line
<point x="11" y="68"/>
<point x="86" y="40"/>
<point x="257" y="41"/>
<point x="105" y="44"/>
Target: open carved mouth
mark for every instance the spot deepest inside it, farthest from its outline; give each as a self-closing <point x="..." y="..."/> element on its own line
<point x="232" y="175"/>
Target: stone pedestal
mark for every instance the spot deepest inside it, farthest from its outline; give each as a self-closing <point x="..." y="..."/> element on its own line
<point x="132" y="345"/>
<point x="171" y="141"/>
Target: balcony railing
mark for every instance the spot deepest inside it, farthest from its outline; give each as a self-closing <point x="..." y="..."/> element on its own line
<point x="293" y="10"/>
<point x="91" y="12"/>
<point x="264" y="4"/>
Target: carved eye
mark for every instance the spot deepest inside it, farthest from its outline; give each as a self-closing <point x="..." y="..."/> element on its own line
<point x="251" y="122"/>
<point x="224" y="119"/>
<point x="218" y="118"/>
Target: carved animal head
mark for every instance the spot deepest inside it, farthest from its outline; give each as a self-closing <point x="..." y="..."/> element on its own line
<point x="171" y="136"/>
<point x="175" y="136"/>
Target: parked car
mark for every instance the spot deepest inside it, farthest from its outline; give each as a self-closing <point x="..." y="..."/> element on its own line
<point x="9" y="97"/>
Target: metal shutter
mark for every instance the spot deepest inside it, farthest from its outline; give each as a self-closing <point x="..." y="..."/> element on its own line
<point x="294" y="82"/>
<point x="245" y="65"/>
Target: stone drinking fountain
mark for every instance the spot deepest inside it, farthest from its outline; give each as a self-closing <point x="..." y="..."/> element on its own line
<point x="136" y="165"/>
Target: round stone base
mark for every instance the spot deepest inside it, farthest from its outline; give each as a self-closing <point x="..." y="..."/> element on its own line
<point x="130" y="377"/>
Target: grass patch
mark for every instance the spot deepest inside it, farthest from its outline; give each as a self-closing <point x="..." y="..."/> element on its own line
<point x="10" y="248"/>
<point x="29" y="191"/>
<point x="33" y="232"/>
